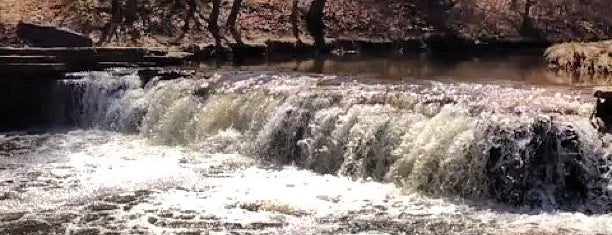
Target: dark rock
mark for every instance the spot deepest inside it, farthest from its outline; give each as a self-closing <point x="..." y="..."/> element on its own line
<point x="51" y="36"/>
<point x="185" y="216"/>
<point x="11" y="216"/>
<point x="544" y="165"/>
<point x="603" y="109"/>
<point x="152" y="220"/>
<point x="102" y="207"/>
<point x="263" y="225"/>
<point x="7" y="195"/>
<point x="146" y="75"/>
<point x="86" y="231"/>
<point x="26" y="227"/>
<point x="121" y="199"/>
<point x="92" y="217"/>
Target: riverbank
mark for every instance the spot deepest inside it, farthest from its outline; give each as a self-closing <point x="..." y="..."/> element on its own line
<point x="401" y="26"/>
<point x="582" y="59"/>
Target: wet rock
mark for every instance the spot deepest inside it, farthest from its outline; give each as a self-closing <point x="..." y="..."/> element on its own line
<point x="543" y="165"/>
<point x="142" y="193"/>
<point x="165" y="214"/>
<point x="102" y="207"/>
<point x="86" y="231"/>
<point x="93" y="216"/>
<point x="29" y="226"/>
<point x="185" y="216"/>
<point x="50" y="36"/>
<point x="329" y="199"/>
<point x="120" y="199"/>
<point x="146" y="75"/>
<point x="191" y="233"/>
<point x="189" y="211"/>
<point x="55" y="218"/>
<point x="183" y="224"/>
<point x="11" y="216"/>
<point x="263" y="225"/>
<point x="8" y="195"/>
<point x="208" y="217"/>
<point x="273" y="206"/>
<point x="603" y="108"/>
<point x="152" y="220"/>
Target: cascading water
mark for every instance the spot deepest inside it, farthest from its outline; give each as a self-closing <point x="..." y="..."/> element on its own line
<point x="516" y="146"/>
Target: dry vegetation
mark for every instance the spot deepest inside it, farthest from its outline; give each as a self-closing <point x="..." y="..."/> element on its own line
<point x="41" y="11"/>
<point x="593" y="58"/>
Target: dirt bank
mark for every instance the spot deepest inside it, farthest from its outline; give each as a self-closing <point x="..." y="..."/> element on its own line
<point x="408" y="24"/>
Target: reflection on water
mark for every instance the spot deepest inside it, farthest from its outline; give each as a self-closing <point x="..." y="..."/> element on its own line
<point x="520" y="67"/>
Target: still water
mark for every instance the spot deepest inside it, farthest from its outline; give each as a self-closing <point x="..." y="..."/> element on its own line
<point x="526" y="67"/>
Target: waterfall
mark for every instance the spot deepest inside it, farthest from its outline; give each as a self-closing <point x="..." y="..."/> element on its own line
<point x="517" y="146"/>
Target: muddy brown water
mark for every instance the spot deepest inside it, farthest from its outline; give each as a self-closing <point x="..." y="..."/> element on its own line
<point x="519" y="67"/>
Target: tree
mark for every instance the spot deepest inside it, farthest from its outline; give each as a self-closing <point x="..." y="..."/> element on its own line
<point x="295" y="19"/>
<point x="232" y="19"/>
<point x="123" y="13"/>
<point x="527" y="26"/>
<point x="213" y="23"/>
<point x="130" y="15"/>
<point x="190" y="10"/>
<point x="116" y="18"/>
<point x="315" y="24"/>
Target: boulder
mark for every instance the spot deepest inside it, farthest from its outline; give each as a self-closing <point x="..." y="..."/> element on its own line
<point x="51" y="36"/>
<point x="603" y="108"/>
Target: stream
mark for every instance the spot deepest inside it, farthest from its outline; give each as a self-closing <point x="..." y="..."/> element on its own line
<point x="467" y="145"/>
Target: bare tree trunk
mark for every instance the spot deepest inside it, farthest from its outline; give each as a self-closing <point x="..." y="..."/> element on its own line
<point x="527" y="28"/>
<point x="233" y="19"/>
<point x="131" y="11"/>
<point x="131" y="16"/>
<point x="116" y="18"/>
<point x="213" y="24"/>
<point x="295" y="19"/>
<point x="316" y="26"/>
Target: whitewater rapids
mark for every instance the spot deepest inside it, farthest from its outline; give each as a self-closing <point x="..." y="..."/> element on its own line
<point x="307" y="154"/>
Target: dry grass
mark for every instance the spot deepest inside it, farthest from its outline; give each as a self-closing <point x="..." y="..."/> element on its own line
<point x="593" y="58"/>
<point x="38" y="11"/>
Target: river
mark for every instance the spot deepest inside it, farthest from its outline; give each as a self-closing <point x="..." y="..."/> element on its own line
<point x="349" y="146"/>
